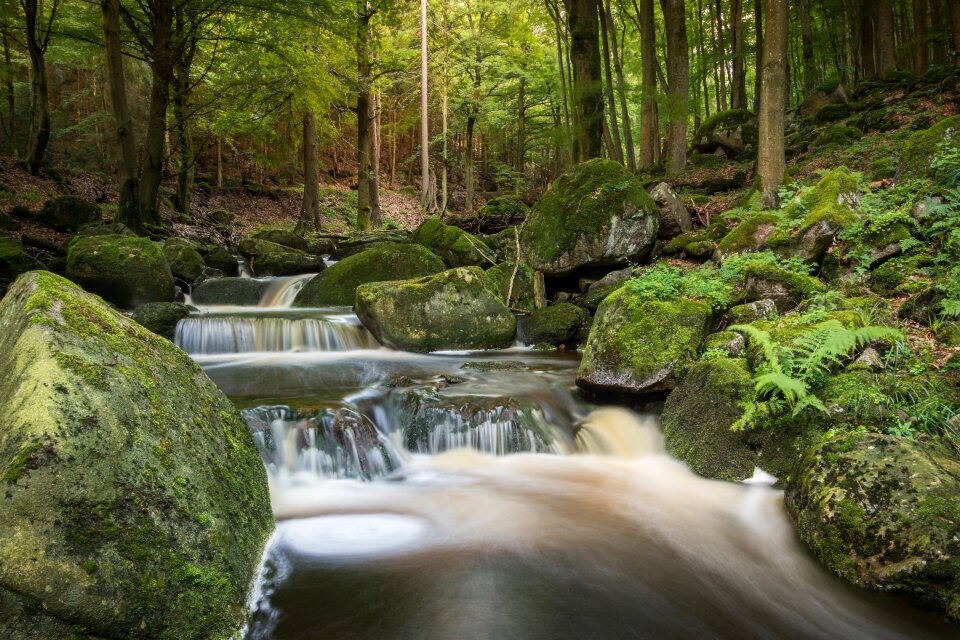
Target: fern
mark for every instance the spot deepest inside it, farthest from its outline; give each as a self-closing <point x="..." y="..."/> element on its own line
<point x="786" y="379"/>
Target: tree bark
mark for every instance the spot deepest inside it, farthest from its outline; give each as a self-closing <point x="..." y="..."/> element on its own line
<point x="758" y="26"/>
<point x="37" y="37"/>
<point x="722" y="54"/>
<point x="920" y="36"/>
<point x="886" y="50"/>
<point x="649" y="126"/>
<point x="116" y="82"/>
<point x="771" y="161"/>
<point x="806" y="34"/>
<point x="955" y="25"/>
<point x="366" y="178"/>
<point x="554" y="10"/>
<point x="587" y="88"/>
<point x="622" y="92"/>
<point x="181" y="102"/>
<point x="162" y="61"/>
<point x="521" y="152"/>
<point x="10" y="95"/>
<point x="738" y="88"/>
<point x="866" y="44"/>
<point x="310" y="208"/>
<point x="615" y="144"/>
<point x="424" y="112"/>
<point x="701" y="36"/>
<point x="678" y="74"/>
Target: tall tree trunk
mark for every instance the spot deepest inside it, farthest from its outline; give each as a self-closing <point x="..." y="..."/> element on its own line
<point x="771" y="161"/>
<point x="36" y="41"/>
<point x="468" y="166"/>
<point x="10" y="95"/>
<point x="738" y="89"/>
<point x="885" y="40"/>
<point x="721" y="53"/>
<point x="181" y="101"/>
<point x="446" y="120"/>
<point x="587" y="88"/>
<point x="758" y="26"/>
<point x="614" y="127"/>
<point x="920" y="36"/>
<point x="128" y="211"/>
<point x="649" y="126"/>
<point x="806" y="31"/>
<point x="310" y="208"/>
<point x="554" y="10"/>
<point x="701" y="36"/>
<point x="424" y="112"/>
<point x="621" y="91"/>
<point x="366" y="178"/>
<point x="161" y="68"/>
<point x="867" y="40"/>
<point x="955" y="25"/>
<point x="375" y="209"/>
<point x="678" y="73"/>
<point x="521" y="153"/>
<point x="219" y="162"/>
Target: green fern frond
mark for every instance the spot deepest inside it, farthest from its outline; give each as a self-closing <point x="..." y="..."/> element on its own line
<point x="792" y="389"/>
<point x="763" y="340"/>
<point x="811" y="401"/>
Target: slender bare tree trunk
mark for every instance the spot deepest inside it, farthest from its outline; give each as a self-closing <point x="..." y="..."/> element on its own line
<point x="621" y="91"/>
<point x="955" y="25"/>
<point x="649" y="126"/>
<point x="806" y="34"/>
<point x="615" y="144"/>
<point x="37" y="37"/>
<point x="678" y="74"/>
<point x="219" y="162"/>
<point x="554" y="10"/>
<point x="424" y="111"/>
<point x="771" y="161"/>
<point x="161" y="68"/>
<point x="920" y="34"/>
<point x="310" y="208"/>
<point x="885" y="41"/>
<point x="758" y="27"/>
<point x="738" y="82"/>
<point x="181" y="102"/>
<point x="9" y="90"/>
<point x="722" y="53"/>
<point x="521" y="153"/>
<point x="366" y="178"/>
<point x="587" y="87"/>
<point x="375" y="160"/>
<point x="701" y="34"/>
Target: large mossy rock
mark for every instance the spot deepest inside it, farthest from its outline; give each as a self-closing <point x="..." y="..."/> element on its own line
<point x="884" y="513"/>
<point x="733" y="132"/>
<point x="920" y="150"/>
<point x="68" y="213"/>
<point x="161" y="317"/>
<point x="748" y="236"/>
<point x="14" y="261"/>
<point x="285" y="238"/>
<point x="337" y="285"/>
<point x="499" y="213"/>
<point x="242" y="292"/>
<point x="675" y="219"/>
<point x="457" y="247"/>
<point x="269" y="259"/>
<point x="785" y="288"/>
<point x="456" y="309"/>
<point x="528" y="292"/>
<point x="125" y="271"/>
<point x="698" y="415"/>
<point x="185" y="261"/>
<point x="641" y="346"/>
<point x="135" y="503"/>
<point x="597" y="214"/>
<point x="557" y="324"/>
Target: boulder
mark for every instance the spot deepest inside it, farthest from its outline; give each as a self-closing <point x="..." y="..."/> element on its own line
<point x="641" y="346"/>
<point x="285" y="238"/>
<point x="107" y="229"/>
<point x="785" y="288"/>
<point x="764" y="309"/>
<point x="748" y="236"/>
<point x="698" y="415"/>
<point x="161" y="317"/>
<point x="185" y="261"/>
<point x="14" y="261"/>
<point x="528" y="291"/>
<point x="135" y="502"/>
<point x="837" y="134"/>
<point x="733" y="133"/>
<point x="271" y="259"/>
<point x="883" y="512"/>
<point x="920" y="150"/>
<point x="556" y="324"/>
<point x="821" y="98"/>
<point x="457" y="247"/>
<point x="456" y="309"/>
<point x="674" y="217"/>
<point x="227" y="291"/>
<point x="219" y="257"/>
<point x="125" y="271"/>
<point x="368" y="240"/>
<point x="337" y="285"/>
<point x="68" y="213"/>
<point x="499" y="213"/>
<point x="598" y="214"/>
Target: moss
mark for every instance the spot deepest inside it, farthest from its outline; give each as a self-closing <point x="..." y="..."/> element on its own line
<point x="505" y="208"/>
<point x="723" y="120"/>
<point x="828" y="200"/>
<point x="18" y="466"/>
<point x="457" y="247"/>
<point x="580" y="208"/>
<point x="127" y="271"/>
<point x="556" y="324"/>
<point x="921" y="147"/>
<point x="702" y="249"/>
<point x="832" y="112"/>
<point x="337" y="285"/>
<point x="749" y="235"/>
<point x="524" y="292"/>
<point x="838" y="134"/>
<point x="883" y="168"/>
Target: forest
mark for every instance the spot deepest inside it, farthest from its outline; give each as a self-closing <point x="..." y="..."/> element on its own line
<point x="479" y="319"/>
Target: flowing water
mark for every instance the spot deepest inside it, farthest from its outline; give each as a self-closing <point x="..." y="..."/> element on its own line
<point x="477" y="496"/>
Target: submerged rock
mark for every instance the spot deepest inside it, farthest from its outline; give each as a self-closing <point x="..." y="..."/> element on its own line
<point x="123" y="270"/>
<point x="456" y="309"/>
<point x="598" y="214"/>
<point x="641" y="346"/>
<point x="135" y="504"/>
<point x="337" y="285"/>
<point x="883" y="512"/>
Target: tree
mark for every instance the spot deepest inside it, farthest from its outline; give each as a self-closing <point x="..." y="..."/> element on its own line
<point x="771" y="161"/>
<point x="368" y="182"/>
<point x="738" y="81"/>
<point x="649" y="124"/>
<point x="678" y="74"/>
<point x="806" y="35"/>
<point x="310" y="208"/>
<point x="920" y="36"/>
<point x="582" y="17"/>
<point x="39" y="26"/>
<point x="885" y="39"/>
<point x="424" y="112"/>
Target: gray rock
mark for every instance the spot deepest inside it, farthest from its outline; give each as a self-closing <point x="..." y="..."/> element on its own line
<point x="764" y="309"/>
<point x="675" y="219"/>
<point x="227" y="291"/>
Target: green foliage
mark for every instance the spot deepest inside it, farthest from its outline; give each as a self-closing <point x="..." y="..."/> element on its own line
<point x="789" y="374"/>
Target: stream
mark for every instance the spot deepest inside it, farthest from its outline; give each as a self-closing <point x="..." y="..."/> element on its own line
<point x="479" y="496"/>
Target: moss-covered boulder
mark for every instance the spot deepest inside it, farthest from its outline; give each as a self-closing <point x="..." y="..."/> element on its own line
<point x="734" y="132"/>
<point x="14" y="261"/>
<point x="557" y="324"/>
<point x="641" y="346"/>
<point x="456" y="309"/>
<point x="135" y="503"/>
<point x="920" y="150"/>
<point x="457" y="247"/>
<point x="821" y="97"/>
<point x="499" y="213"/>
<point x="528" y="288"/>
<point x="227" y="291"/>
<point x="68" y="213"/>
<point x="185" y="261"/>
<point x="674" y="217"/>
<point x="217" y="256"/>
<point x="268" y="259"/>
<point x="883" y="512"/>
<point x="125" y="271"/>
<point x="838" y="134"/>
<point x="832" y="113"/>
<point x="763" y="309"/>
<point x="748" y="236"/>
<point x="358" y="242"/>
<point x="785" y="288"/>
<point x="337" y="285"/>
<point x="597" y="214"/>
<point x="283" y="237"/>
<point x="161" y="317"/>
<point x="698" y="415"/>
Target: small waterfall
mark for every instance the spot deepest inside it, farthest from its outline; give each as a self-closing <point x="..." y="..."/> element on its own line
<point x="280" y="292"/>
<point x="619" y="433"/>
<point x="498" y="431"/>
<point x="335" y="442"/>
<point x="215" y="334"/>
